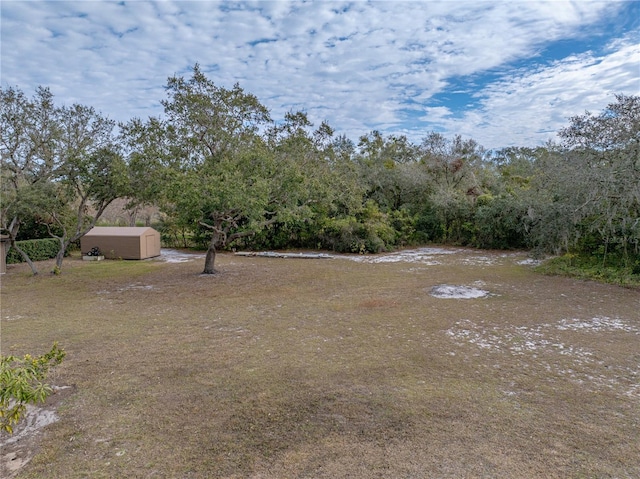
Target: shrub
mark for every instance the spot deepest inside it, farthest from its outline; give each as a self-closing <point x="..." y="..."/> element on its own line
<point x="300" y="233"/>
<point x="499" y="223"/>
<point x="37" y="250"/>
<point x="584" y="266"/>
<point x="349" y="235"/>
<point x="21" y="383"/>
<point x="340" y="234"/>
<point x="404" y="224"/>
<point x="428" y="226"/>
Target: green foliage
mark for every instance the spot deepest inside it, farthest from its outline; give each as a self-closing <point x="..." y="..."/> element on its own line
<point x="173" y="234"/>
<point x="280" y="235"/>
<point x="341" y="234"/>
<point x="22" y="383"/>
<point x="37" y="250"/>
<point x="591" y="267"/>
<point x="429" y="228"/>
<point x="404" y="225"/>
<point x="31" y="227"/>
<point x="499" y="223"/>
<point x="205" y="163"/>
<point x="600" y="173"/>
<point x="377" y="229"/>
<point x="368" y="232"/>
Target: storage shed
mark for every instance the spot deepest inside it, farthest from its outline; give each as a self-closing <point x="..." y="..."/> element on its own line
<point x="122" y="242"/>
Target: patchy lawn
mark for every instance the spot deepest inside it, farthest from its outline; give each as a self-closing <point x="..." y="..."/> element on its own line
<point x="445" y="363"/>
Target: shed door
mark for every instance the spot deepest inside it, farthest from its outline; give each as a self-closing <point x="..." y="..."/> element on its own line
<point x="150" y="243"/>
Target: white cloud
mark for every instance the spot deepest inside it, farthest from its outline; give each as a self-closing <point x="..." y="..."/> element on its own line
<point x="356" y="64"/>
<point x="530" y="106"/>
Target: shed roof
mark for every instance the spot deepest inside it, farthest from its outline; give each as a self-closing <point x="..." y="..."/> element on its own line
<point x="120" y="231"/>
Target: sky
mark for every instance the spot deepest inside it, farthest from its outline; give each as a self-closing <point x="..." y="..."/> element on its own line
<point x="504" y="73"/>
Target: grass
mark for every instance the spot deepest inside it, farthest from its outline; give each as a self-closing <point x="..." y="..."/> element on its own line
<point x="330" y="369"/>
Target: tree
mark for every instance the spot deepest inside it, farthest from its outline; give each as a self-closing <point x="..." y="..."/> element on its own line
<point x="148" y="153"/>
<point x="508" y="213"/>
<point x="29" y="134"/>
<point x="91" y="174"/>
<point x="313" y="179"/>
<point x="209" y="158"/>
<point x="604" y="161"/>
<point x="87" y="186"/>
<point x="387" y="169"/>
<point x="451" y="166"/>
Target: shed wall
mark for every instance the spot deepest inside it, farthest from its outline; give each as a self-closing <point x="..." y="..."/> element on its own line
<point x="151" y="245"/>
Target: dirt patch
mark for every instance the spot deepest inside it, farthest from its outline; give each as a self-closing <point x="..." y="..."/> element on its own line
<point x="178" y="256"/>
<point x="17" y="449"/>
<point x="447" y="291"/>
<point x="425" y="256"/>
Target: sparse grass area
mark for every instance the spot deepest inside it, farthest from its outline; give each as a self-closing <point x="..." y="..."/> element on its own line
<point x="284" y="368"/>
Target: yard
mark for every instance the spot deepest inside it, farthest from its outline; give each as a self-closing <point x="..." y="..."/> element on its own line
<point x="328" y="368"/>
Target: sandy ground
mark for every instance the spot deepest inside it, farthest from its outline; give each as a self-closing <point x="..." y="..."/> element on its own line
<point x="18" y="449"/>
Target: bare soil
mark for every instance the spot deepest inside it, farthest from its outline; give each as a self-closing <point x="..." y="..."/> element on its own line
<point x="439" y="363"/>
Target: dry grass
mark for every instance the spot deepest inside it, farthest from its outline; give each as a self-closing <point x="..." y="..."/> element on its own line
<point x="283" y="368"/>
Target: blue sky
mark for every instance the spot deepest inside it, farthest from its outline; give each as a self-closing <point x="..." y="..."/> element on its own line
<point x="503" y="73"/>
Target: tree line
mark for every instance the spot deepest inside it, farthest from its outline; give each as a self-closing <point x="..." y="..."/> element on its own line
<point x="225" y="174"/>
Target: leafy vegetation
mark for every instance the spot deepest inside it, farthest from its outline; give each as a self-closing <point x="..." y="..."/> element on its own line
<point x="38" y="250"/>
<point x="22" y="383"/>
<point x="584" y="266"/>
<point x="225" y="175"/>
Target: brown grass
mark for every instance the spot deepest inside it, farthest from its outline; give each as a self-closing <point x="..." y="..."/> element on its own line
<point x="286" y="368"/>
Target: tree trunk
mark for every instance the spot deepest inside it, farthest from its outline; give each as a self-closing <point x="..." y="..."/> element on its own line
<point x="60" y="256"/>
<point x="13" y="229"/>
<point x="25" y="256"/>
<point x="59" y="259"/>
<point x="210" y="259"/>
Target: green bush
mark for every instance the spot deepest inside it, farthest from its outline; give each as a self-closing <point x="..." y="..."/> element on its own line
<point x="292" y="234"/>
<point x="499" y="223"/>
<point x="22" y="383"/>
<point x="590" y="267"/>
<point x="350" y="235"/>
<point x="340" y="234"/>
<point x="428" y="226"/>
<point x="404" y="224"/>
<point x="37" y="250"/>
